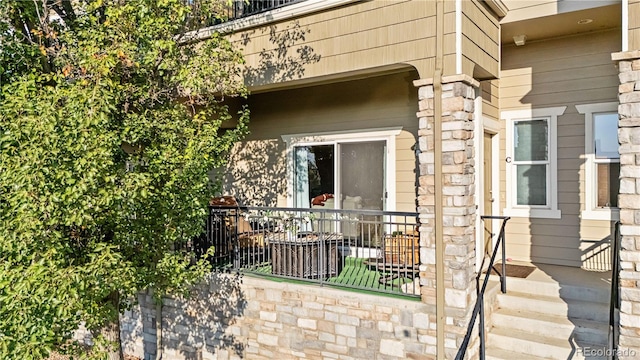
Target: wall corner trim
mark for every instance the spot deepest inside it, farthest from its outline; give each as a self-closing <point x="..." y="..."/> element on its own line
<point x="498" y="7"/>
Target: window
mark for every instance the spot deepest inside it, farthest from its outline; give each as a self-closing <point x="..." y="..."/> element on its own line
<point x="602" y="161"/>
<point x="532" y="162"/>
<point x="357" y="168"/>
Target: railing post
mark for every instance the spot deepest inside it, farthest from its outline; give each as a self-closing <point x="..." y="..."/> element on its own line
<point x="503" y="274"/>
<point x="481" y="325"/>
<point x="615" y="283"/>
<point x="478" y="309"/>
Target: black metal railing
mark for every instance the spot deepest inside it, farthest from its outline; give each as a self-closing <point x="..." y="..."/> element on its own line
<point x="478" y="310"/>
<point x="236" y="9"/>
<point x="614" y="305"/>
<point x="363" y="249"/>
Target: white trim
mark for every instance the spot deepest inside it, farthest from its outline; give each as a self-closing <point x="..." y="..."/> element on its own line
<point x="534" y="213"/>
<point x="382" y="134"/>
<point x="479" y="178"/>
<point x="329" y="136"/>
<point x="591" y="211"/>
<point x="551" y="210"/>
<point x="271" y="16"/>
<point x="459" y="37"/>
<point x="495" y="178"/>
<point x="625" y="25"/>
<point x="491" y="125"/>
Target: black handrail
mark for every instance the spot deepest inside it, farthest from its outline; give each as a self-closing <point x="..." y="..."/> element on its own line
<point x="479" y="307"/>
<point x="615" y="294"/>
<point x="237" y="9"/>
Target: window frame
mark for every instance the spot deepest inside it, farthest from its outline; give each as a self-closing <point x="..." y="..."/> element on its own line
<point x="591" y="210"/>
<point x="550" y="210"/>
<point x="326" y="138"/>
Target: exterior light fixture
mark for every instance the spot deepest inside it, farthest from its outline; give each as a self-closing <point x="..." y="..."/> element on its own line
<point x="520" y="39"/>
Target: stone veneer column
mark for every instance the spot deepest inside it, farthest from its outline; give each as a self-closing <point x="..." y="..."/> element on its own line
<point x="459" y="212"/>
<point x="629" y="202"/>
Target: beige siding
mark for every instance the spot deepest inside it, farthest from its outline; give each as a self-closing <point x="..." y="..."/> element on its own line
<point x="256" y="173"/>
<point x="480" y="39"/>
<point x="634" y="24"/>
<point x="489" y="90"/>
<point x="560" y="72"/>
<point x="365" y="35"/>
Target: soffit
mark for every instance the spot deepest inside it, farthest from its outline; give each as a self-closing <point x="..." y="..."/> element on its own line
<point x="563" y="24"/>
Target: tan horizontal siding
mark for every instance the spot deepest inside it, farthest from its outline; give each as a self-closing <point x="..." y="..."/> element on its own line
<point x="560" y="72"/>
<point x="556" y="73"/>
<point x="486" y="21"/>
<point x="364" y="35"/>
<point x="406" y="181"/>
<point x="490" y="99"/>
<point x="553" y="98"/>
<point x="480" y="39"/>
<point x="480" y="28"/>
<point x="563" y="86"/>
<point x="634" y="25"/>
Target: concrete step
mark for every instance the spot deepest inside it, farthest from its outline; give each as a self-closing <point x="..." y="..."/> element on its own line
<point x="517" y="344"/>
<point x="583" y="331"/>
<point x="550" y="305"/>
<point x="494" y="353"/>
<point x="564" y="291"/>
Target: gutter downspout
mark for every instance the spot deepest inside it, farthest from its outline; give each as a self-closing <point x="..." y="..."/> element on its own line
<point x="437" y="138"/>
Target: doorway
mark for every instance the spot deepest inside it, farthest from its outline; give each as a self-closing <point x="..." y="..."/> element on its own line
<point x="487" y="179"/>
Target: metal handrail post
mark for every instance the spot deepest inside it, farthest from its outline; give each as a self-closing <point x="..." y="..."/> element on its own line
<point x="481" y="325"/>
<point x="478" y="309"/>
<point x="503" y="274"/>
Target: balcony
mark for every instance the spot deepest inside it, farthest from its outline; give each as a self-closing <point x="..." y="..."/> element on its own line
<point x="237" y="9"/>
<point x="362" y="249"/>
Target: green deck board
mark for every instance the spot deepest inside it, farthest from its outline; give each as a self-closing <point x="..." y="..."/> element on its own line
<point x="355" y="273"/>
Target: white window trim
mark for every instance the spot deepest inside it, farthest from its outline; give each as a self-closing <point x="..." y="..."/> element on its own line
<point x="551" y="211"/>
<point x="380" y="134"/>
<point x="591" y="211"/>
<point x="271" y="16"/>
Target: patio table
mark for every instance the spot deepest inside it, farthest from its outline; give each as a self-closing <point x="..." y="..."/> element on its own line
<point x="308" y="255"/>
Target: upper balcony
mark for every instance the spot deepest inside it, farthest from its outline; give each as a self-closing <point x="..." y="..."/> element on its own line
<point x="243" y="8"/>
<point x="238" y="9"/>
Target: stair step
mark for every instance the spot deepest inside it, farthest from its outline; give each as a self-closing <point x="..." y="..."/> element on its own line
<point x="538" y="346"/>
<point x="502" y="354"/>
<point x="587" y="331"/>
<point x="573" y="309"/>
<point x="565" y="291"/>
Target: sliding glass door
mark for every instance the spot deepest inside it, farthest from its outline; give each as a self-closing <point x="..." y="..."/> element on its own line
<point x="353" y="172"/>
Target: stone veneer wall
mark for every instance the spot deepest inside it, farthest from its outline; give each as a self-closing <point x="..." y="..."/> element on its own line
<point x="458" y="212"/>
<point x="265" y="319"/>
<point x="629" y="202"/>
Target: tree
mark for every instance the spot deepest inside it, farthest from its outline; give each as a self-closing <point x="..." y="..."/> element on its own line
<point x="112" y="114"/>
